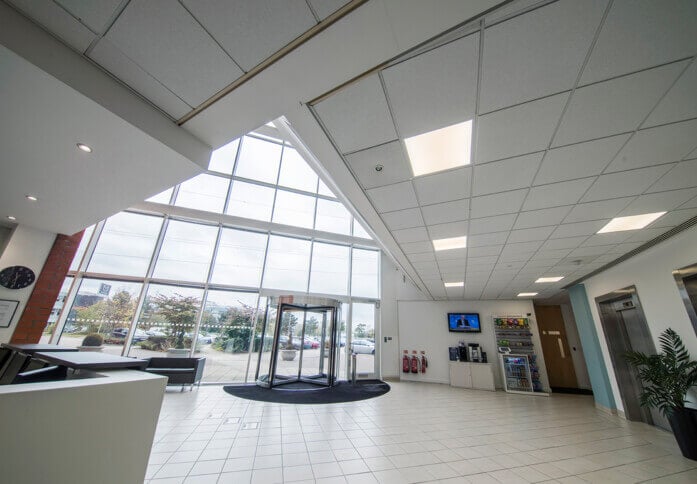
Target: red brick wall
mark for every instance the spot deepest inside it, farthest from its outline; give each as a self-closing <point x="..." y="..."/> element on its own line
<point x="46" y="289"/>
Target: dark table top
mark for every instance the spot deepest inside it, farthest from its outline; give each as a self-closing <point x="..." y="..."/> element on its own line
<point x="30" y="349"/>
<point x="91" y="360"/>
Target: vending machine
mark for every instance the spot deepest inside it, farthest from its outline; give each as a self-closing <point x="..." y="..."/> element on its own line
<point x="516" y="373"/>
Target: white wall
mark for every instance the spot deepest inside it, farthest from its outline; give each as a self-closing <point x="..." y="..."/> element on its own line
<point x="651" y="273"/>
<point x="394" y="286"/>
<point x="27" y="247"/>
<point x="423" y="326"/>
<point x="572" y="337"/>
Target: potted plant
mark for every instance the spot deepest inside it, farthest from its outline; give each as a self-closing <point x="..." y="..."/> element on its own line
<point x="92" y="342"/>
<point x="667" y="377"/>
<point x="288" y="323"/>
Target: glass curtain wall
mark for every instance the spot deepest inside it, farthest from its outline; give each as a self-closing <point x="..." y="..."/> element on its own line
<point x="199" y="286"/>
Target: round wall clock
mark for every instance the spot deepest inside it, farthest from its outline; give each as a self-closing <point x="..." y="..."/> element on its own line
<point x="16" y="277"/>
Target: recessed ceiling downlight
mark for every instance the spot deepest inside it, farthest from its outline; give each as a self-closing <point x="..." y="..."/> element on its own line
<point x="633" y="222"/>
<point x="84" y="147"/>
<point x="31" y="198"/>
<point x="441" y="149"/>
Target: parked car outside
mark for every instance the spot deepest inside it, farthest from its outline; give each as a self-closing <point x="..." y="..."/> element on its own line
<point x="310" y="344"/>
<point x="362" y="346"/>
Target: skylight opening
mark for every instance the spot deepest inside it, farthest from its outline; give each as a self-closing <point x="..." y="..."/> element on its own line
<point x="450" y="243"/>
<point x="441" y="149"/>
<point x="632" y="222"/>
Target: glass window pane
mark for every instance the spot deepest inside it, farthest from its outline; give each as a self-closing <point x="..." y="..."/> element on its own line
<point x="240" y="258"/>
<point x="332" y="217"/>
<point x="162" y="197"/>
<point x="104" y="307"/>
<point x="364" y="273"/>
<point x="330" y="269"/>
<point x="287" y="264"/>
<point x="225" y="335"/>
<point x="296" y="173"/>
<point x="126" y="244"/>
<point x="56" y="310"/>
<point x="186" y="252"/>
<point x="167" y="321"/>
<point x="324" y="190"/>
<point x="359" y="231"/>
<point x="203" y="192"/>
<point x="251" y="201"/>
<point x="223" y="159"/>
<point x="259" y="160"/>
<point x="294" y="209"/>
<point x="82" y="248"/>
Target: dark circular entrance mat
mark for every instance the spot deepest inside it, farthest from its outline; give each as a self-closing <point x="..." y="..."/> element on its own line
<point x="310" y="394"/>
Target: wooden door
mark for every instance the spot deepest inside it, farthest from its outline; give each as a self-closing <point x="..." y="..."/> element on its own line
<point x="560" y="365"/>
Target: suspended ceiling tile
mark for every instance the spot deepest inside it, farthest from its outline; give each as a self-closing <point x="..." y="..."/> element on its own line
<point x="450" y="255"/>
<point x="95" y="15"/>
<point x="626" y="247"/>
<point x="403" y="219"/>
<point x="476" y="265"/>
<point x="496" y="238"/>
<point x="578" y="228"/>
<point x="443" y="187"/>
<point x="653" y="146"/>
<point x="485" y="250"/>
<point x="610" y="238"/>
<point x="625" y="183"/>
<point x="357" y="117"/>
<point x="324" y="8"/>
<point x="528" y="235"/>
<point x="446" y="212"/>
<point x="680" y="102"/>
<point x="417" y="247"/>
<point x="658" y="202"/>
<point x="590" y="250"/>
<point x="252" y="31"/>
<point x="491" y="224"/>
<point x="113" y="60"/>
<point x="557" y="194"/>
<point x="445" y="231"/>
<point x="683" y="175"/>
<point x="478" y="261"/>
<point x="615" y="106"/>
<point x="164" y="40"/>
<point x="393" y="197"/>
<point x="57" y="21"/>
<point x="540" y="218"/>
<point x="435" y="89"/>
<point x="499" y="176"/>
<point x="511" y="255"/>
<point x="456" y="264"/>
<point x="497" y="203"/>
<point x="422" y="257"/>
<point x="644" y="235"/>
<point x="516" y="65"/>
<point x="429" y="267"/>
<point x="597" y="210"/>
<point x="415" y="234"/>
<point x="549" y="254"/>
<point x="642" y="33"/>
<point x="565" y="243"/>
<point x="519" y="130"/>
<point x="579" y="160"/>
<point x="522" y="247"/>
<point x="676" y="217"/>
<point x="395" y="167"/>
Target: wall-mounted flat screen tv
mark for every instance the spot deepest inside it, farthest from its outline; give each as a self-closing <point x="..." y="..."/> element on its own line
<point x="464" y="323"/>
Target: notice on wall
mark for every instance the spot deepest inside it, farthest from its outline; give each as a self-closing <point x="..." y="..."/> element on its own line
<point x="7" y="312"/>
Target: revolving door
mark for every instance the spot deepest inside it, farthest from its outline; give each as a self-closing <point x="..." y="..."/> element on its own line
<point x="300" y="342"/>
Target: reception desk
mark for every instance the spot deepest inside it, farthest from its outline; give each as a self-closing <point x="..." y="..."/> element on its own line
<point x="98" y="428"/>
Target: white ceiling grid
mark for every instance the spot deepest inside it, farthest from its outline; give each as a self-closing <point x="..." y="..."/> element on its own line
<point x="574" y="125"/>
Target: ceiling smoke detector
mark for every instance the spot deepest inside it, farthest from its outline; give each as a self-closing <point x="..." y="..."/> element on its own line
<point x="378" y="167"/>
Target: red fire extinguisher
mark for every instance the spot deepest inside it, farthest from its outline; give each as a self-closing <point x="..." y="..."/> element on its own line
<point x="414" y="363"/>
<point x="405" y="362"/>
<point x="424" y="362"/>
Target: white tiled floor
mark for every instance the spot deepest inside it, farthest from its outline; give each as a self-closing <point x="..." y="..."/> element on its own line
<point x="415" y="433"/>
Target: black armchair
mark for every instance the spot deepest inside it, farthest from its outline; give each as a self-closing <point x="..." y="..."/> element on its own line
<point x="179" y="371"/>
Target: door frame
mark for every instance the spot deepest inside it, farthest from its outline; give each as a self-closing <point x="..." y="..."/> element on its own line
<point x="679" y="275"/>
<point x="375" y="374"/>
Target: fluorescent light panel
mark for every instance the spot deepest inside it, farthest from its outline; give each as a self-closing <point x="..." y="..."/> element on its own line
<point x="441" y="149"/>
<point x="633" y="222"/>
<point x="549" y="279"/>
<point x="527" y="294"/>
<point x="451" y="243"/>
<point x="455" y="284"/>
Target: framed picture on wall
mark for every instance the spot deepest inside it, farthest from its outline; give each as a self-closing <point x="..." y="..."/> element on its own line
<point x="7" y="312"/>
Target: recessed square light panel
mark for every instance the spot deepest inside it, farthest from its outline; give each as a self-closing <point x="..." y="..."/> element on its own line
<point x="549" y="279"/>
<point x="632" y="222"/>
<point x="450" y="243"/>
<point x="440" y="149"/>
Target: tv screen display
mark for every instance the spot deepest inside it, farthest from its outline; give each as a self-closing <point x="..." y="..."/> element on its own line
<point x="464" y="323"/>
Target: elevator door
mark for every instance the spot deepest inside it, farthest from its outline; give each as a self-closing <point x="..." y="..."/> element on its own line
<point x="626" y="330"/>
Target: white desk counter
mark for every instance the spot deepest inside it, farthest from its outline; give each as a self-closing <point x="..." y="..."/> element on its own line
<point x="479" y="376"/>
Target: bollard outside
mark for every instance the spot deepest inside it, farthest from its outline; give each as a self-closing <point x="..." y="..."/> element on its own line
<point x="353" y="368"/>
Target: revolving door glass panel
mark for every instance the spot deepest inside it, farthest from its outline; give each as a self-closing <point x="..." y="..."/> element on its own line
<point x="305" y="343"/>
